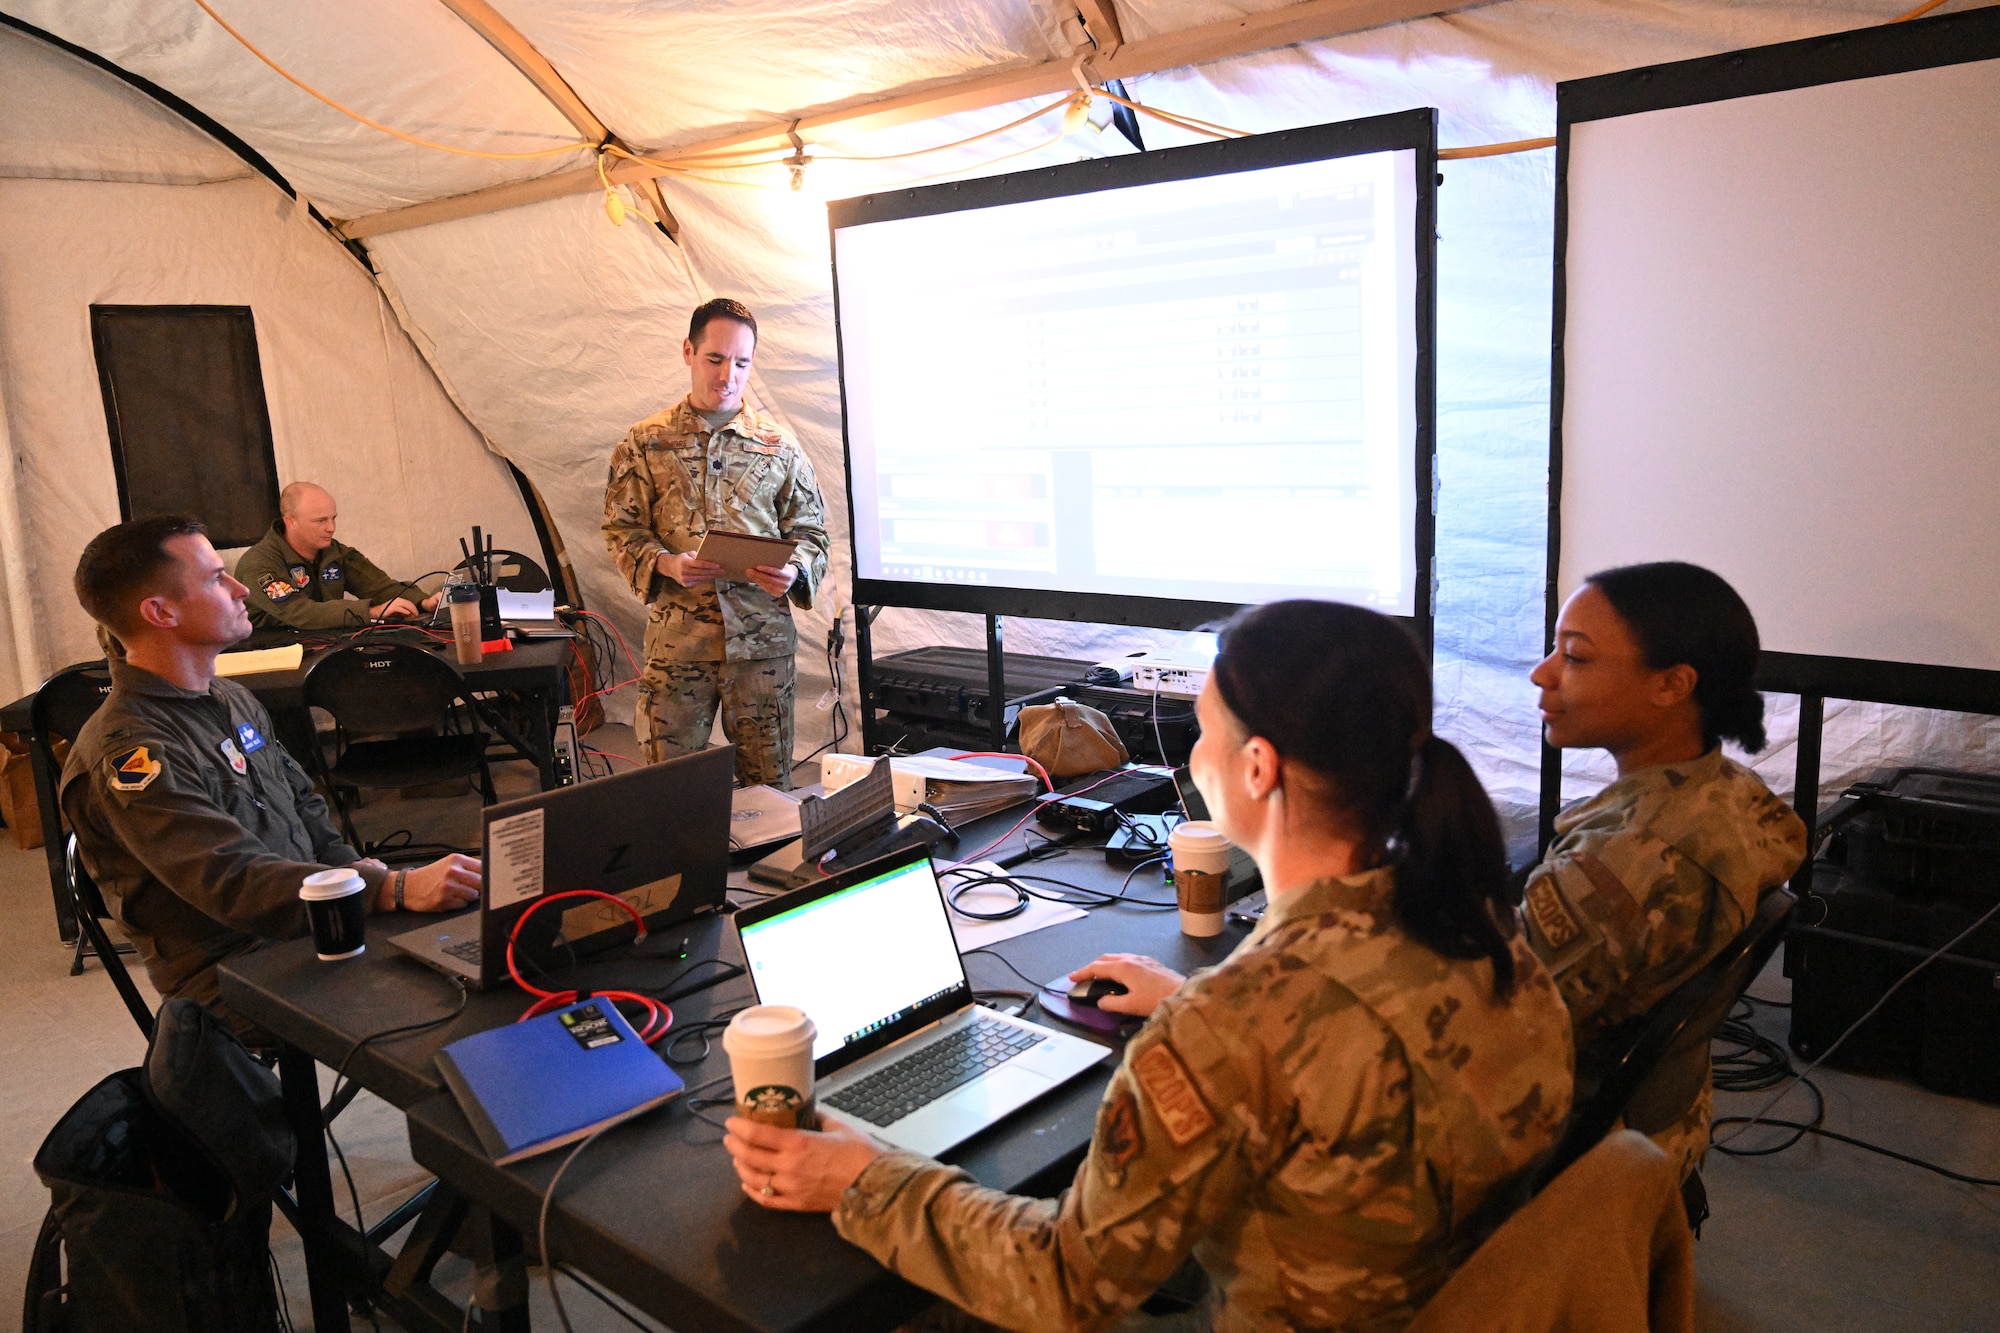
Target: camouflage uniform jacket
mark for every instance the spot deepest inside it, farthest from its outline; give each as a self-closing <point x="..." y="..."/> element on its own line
<point x="196" y="823"/>
<point x="1648" y="879"/>
<point x="288" y="591"/>
<point x="672" y="479"/>
<point x="1317" y="1120"/>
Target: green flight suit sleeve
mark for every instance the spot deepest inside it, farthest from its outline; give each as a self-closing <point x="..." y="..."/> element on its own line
<point x="263" y="574"/>
<point x="187" y="838"/>
<point x="365" y="579"/>
<point x="628" y="520"/>
<point x="801" y="515"/>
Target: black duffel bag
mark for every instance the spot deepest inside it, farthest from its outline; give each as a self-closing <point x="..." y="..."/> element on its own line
<point x="161" y="1181"/>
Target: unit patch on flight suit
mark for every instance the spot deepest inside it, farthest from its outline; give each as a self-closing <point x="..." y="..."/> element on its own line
<point x="278" y="590"/>
<point x="133" y="769"/>
<point x="234" y="756"/>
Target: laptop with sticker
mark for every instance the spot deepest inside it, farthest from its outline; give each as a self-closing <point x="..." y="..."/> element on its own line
<point x="657" y="837"/>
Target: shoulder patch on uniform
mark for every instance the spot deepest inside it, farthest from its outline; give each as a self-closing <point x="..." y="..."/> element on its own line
<point x="1550" y="914"/>
<point x="1173" y="1095"/>
<point x="278" y="590"/>
<point x="133" y="769"/>
<point x="1118" y="1140"/>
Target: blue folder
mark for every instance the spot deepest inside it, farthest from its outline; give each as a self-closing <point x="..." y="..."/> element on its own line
<point x="554" y="1079"/>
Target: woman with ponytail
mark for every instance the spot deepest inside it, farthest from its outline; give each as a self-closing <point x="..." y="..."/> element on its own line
<point x="1327" y="1120"/>
<point x="1651" y="877"/>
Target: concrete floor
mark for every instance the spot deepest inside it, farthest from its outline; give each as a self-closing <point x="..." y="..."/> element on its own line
<point x="1823" y="1238"/>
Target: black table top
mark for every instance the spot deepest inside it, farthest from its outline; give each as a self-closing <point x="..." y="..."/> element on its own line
<point x="653" y="1209"/>
<point x="528" y="665"/>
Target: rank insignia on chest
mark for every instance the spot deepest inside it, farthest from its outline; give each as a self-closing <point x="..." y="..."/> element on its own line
<point x="133" y="769"/>
<point x="300" y="576"/>
<point x="251" y="739"/>
<point x="331" y="574"/>
<point x="234" y="756"/>
<point x="278" y="590"/>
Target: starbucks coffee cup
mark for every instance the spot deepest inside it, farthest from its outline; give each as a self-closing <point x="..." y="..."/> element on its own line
<point x="337" y="906"/>
<point x="1200" y="855"/>
<point x="770" y="1049"/>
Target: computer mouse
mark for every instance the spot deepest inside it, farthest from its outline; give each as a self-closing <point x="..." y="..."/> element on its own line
<point x="1090" y="992"/>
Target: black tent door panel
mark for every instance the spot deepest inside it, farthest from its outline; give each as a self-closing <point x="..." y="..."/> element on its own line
<point x="184" y="405"/>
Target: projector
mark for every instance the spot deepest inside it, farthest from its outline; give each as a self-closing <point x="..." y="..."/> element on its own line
<point x="1178" y="672"/>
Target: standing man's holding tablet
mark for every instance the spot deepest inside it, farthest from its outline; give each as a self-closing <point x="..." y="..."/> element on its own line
<point x="712" y="462"/>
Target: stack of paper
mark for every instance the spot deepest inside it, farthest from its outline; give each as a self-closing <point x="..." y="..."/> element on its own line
<point x="960" y="790"/>
<point x="251" y="661"/>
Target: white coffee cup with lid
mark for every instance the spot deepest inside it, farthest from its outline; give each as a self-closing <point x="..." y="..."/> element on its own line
<point x="1200" y="853"/>
<point x="337" y="906"/>
<point x="770" y="1049"/>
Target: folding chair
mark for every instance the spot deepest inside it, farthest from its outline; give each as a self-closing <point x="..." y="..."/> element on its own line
<point x="60" y="708"/>
<point x="397" y="723"/>
<point x="1661" y="1059"/>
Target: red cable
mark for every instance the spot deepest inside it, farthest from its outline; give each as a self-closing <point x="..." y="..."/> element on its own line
<point x="659" y="1018"/>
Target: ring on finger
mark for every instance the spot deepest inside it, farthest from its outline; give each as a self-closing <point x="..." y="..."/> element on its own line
<point x="770" y="1186"/>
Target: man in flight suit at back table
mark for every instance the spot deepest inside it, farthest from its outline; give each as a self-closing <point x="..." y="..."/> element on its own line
<point x="196" y="824"/>
<point x="713" y="462"/>
<point x="299" y="577"/>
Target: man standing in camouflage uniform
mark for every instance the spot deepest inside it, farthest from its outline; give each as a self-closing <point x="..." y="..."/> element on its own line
<point x="712" y="461"/>
<point x="299" y="577"/>
<point x="1653" y="876"/>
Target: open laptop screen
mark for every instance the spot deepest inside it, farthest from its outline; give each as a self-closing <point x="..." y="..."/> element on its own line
<point x="861" y="960"/>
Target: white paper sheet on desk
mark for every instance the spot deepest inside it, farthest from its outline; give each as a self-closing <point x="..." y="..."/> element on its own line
<point x="972" y="934"/>
<point x="525" y="605"/>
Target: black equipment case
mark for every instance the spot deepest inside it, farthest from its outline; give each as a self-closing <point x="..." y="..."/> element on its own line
<point x="1914" y="859"/>
<point x="939" y="696"/>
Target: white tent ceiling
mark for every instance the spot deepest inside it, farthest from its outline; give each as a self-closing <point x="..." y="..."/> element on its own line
<point x="554" y="330"/>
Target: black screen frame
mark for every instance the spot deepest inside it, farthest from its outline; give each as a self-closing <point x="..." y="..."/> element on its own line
<point x="1413" y="130"/>
<point x="1895" y="48"/>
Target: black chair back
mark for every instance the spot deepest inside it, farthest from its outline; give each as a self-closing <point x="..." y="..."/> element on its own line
<point x="90" y="916"/>
<point x="514" y="572"/>
<point x="67" y="699"/>
<point x="1665" y="1054"/>
<point x="376" y="689"/>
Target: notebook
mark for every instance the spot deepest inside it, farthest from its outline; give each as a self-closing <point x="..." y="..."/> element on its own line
<point x="657" y="837"/>
<point x="529" y="1087"/>
<point x="902" y="1052"/>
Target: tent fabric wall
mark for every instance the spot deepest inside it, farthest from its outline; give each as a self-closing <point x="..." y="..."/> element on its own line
<point x="555" y="331"/>
<point x="352" y="404"/>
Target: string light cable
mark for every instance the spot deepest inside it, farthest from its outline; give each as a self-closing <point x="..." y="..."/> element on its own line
<point x="372" y="124"/>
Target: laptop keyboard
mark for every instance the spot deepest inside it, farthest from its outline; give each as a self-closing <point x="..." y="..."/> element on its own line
<point x="467" y="950"/>
<point x="922" y="1077"/>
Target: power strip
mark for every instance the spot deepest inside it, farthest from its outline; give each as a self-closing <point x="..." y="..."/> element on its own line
<point x="568" y="772"/>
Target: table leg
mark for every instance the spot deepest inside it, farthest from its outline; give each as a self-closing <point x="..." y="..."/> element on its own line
<point x="501" y="1279"/>
<point x="298" y="1081"/>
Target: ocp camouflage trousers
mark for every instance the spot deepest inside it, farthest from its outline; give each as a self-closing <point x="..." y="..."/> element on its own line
<point x="675" y="713"/>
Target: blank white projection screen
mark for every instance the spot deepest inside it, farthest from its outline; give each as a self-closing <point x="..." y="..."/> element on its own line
<point x="1782" y="358"/>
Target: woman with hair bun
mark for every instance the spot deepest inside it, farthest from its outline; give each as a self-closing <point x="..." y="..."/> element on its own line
<point x="1326" y="1120"/>
<point x="1651" y="877"/>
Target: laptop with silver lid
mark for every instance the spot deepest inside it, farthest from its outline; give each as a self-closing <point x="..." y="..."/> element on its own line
<point x="902" y="1053"/>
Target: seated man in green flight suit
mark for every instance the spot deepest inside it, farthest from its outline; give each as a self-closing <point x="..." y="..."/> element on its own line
<point x="301" y="578"/>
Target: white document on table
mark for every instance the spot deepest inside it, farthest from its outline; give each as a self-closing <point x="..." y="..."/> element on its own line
<point x="971" y="934"/>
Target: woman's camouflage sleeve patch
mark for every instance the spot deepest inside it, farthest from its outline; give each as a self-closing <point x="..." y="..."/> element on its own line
<point x="1172" y="1092"/>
